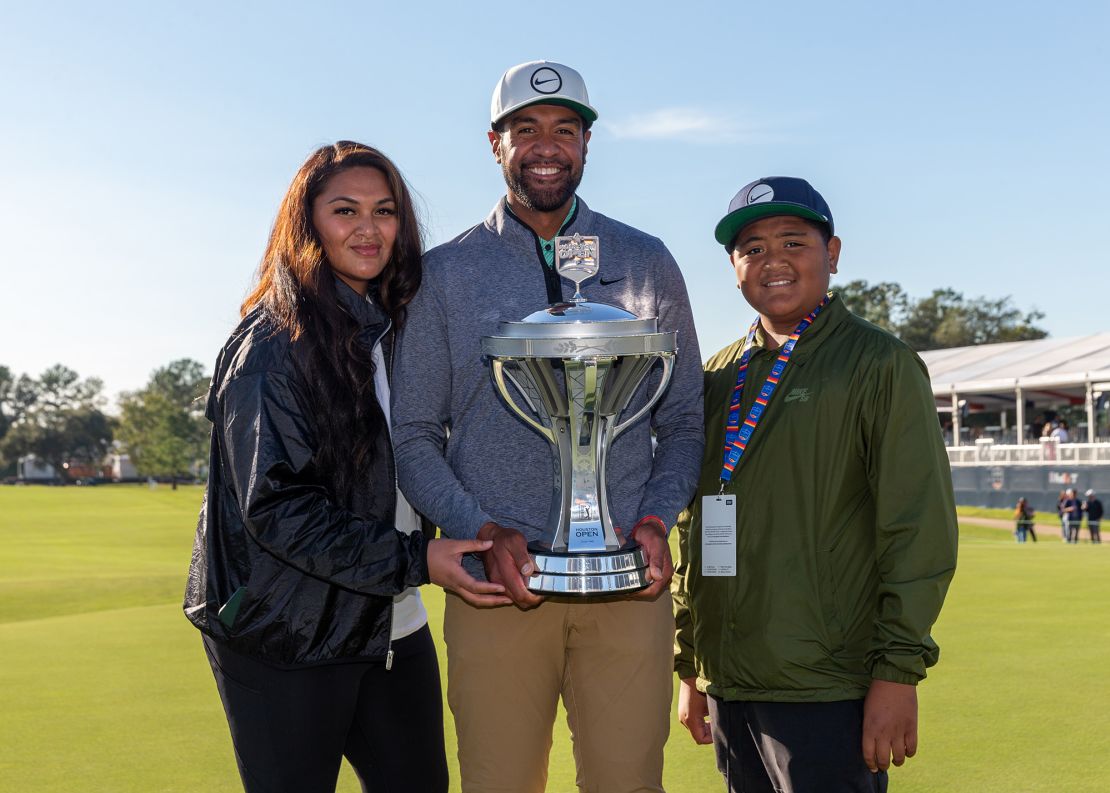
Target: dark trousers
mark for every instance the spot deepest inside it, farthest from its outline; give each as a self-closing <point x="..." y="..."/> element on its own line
<point x="792" y="747"/>
<point x="292" y="727"/>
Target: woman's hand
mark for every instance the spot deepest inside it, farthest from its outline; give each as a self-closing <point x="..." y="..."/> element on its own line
<point x="445" y="568"/>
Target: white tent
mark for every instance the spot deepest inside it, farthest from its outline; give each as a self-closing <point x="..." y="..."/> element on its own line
<point x="1045" y="372"/>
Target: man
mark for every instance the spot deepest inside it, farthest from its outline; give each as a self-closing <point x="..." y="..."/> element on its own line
<point x="817" y="554"/>
<point x="1093" y="507"/>
<point x="468" y="463"/>
<point x="1071" y="515"/>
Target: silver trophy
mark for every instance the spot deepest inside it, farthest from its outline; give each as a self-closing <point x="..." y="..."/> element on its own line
<point x="577" y="366"/>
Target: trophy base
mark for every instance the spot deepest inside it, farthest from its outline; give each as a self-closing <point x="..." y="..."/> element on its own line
<point x="589" y="574"/>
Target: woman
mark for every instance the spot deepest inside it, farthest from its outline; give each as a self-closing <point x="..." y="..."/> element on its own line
<point x="1023" y="516"/>
<point x="1063" y="497"/>
<point x="307" y="558"/>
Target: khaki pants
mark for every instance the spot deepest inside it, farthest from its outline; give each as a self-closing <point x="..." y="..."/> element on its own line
<point x="611" y="661"/>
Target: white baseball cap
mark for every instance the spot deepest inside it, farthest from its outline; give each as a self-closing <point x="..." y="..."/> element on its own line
<point x="540" y="83"/>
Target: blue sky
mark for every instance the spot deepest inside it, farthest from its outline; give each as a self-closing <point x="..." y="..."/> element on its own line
<point x="146" y="146"/>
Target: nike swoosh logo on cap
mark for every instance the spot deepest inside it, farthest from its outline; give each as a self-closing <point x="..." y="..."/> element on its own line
<point x="548" y="80"/>
<point x="754" y="197"/>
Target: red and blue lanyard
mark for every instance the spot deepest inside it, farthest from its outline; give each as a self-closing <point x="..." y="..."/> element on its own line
<point x="737" y="434"/>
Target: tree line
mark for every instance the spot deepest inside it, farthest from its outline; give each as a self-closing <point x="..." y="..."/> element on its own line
<point x="943" y="319"/>
<point x="59" y="417"/>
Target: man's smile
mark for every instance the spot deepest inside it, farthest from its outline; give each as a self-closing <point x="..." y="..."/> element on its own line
<point x="544" y="170"/>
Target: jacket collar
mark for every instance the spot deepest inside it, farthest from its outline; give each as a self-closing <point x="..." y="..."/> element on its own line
<point x="830" y="318"/>
<point x="502" y="222"/>
<point x="372" y="320"/>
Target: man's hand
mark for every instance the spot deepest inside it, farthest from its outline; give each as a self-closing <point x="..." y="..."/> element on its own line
<point x="445" y="568"/>
<point x="508" y="563"/>
<point x="651" y="534"/>
<point x="889" y="724"/>
<point x="693" y="710"/>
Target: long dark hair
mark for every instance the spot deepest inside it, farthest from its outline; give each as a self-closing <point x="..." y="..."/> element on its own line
<point x="296" y="290"/>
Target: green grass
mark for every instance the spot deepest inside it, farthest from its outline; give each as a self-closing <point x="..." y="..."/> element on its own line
<point x="73" y="550"/>
<point x="1005" y="513"/>
<point x="104" y="686"/>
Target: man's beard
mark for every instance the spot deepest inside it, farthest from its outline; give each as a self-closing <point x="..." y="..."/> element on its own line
<point x="540" y="199"/>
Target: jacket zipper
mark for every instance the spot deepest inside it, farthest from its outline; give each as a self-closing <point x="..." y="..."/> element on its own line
<point x="388" y="372"/>
<point x="553" y="282"/>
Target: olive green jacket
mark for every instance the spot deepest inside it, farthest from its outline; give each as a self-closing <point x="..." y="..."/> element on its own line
<point x="846" y="530"/>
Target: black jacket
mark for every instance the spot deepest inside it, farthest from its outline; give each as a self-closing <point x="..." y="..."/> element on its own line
<point x="279" y="571"/>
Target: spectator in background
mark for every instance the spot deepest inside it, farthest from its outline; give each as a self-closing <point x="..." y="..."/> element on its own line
<point x="1071" y="514"/>
<point x="1093" y="509"/>
<point x="1048" y="450"/>
<point x="1060" y="432"/>
<point x="1023" y="517"/>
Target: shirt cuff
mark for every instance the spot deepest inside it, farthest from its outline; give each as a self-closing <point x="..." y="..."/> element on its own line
<point x="883" y="670"/>
<point x="467" y="528"/>
<point x="684" y="669"/>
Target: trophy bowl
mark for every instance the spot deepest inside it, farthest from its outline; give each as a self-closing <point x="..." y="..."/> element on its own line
<point x="576" y="366"/>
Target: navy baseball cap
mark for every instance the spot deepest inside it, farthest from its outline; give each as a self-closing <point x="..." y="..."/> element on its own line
<point x="772" y="195"/>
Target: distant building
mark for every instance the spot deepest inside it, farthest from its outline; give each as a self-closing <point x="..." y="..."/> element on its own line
<point x="30" y="469"/>
<point x="1019" y="384"/>
<point x="33" y="470"/>
<point x="994" y="402"/>
<point x="122" y="469"/>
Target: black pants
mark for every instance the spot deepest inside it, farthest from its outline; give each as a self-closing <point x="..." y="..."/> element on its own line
<point x="291" y="727"/>
<point x="792" y="747"/>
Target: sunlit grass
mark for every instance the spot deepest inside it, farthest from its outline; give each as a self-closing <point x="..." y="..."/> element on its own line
<point x="105" y="686"/>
